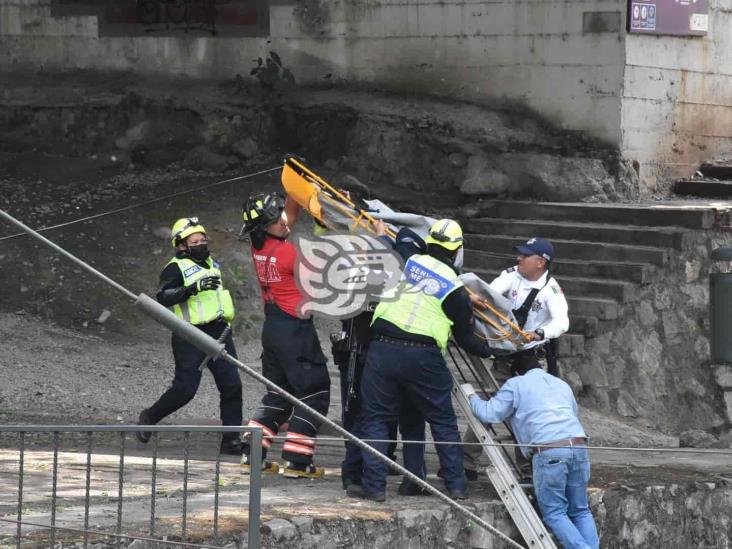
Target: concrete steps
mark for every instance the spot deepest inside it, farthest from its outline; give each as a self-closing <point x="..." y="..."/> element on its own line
<point x="661" y="215"/>
<point x="704" y="188"/>
<point x="662" y="237"/>
<point x="604" y="288"/>
<point x="585" y="325"/>
<point x="576" y="249"/>
<point x="602" y="309"/>
<point x="604" y="251"/>
<point x="630" y="272"/>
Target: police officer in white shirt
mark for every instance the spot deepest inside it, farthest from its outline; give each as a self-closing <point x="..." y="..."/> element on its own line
<point x="539" y="304"/>
<point x="540" y="308"/>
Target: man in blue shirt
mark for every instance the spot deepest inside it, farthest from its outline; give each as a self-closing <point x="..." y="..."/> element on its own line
<point x="543" y="411"/>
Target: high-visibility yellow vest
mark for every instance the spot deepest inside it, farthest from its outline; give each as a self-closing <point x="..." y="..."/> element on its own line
<point x="207" y="305"/>
<point x="425" y="284"/>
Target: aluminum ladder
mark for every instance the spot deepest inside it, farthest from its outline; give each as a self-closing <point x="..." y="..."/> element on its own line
<point x="500" y="470"/>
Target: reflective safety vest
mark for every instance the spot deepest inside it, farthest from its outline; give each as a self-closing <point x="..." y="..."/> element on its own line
<point x="205" y="306"/>
<point x="415" y="306"/>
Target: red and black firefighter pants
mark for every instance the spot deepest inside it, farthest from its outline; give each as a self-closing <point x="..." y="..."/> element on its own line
<point x="291" y="358"/>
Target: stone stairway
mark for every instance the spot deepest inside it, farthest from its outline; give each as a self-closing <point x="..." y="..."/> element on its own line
<point x="710" y="181"/>
<point x="605" y="253"/>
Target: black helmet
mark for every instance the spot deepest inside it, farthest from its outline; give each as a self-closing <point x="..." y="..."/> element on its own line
<point x="260" y="211"/>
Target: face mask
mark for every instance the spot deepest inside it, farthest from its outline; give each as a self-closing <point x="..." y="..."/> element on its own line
<point x="459" y="256"/>
<point x="199" y="253"/>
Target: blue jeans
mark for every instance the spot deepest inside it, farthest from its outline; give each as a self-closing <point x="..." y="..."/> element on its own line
<point x="560" y="483"/>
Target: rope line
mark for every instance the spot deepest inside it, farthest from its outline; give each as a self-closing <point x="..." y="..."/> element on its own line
<point x="141" y="204"/>
<point x="669" y="450"/>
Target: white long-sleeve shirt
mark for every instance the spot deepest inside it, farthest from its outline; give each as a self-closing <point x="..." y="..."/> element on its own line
<point x="549" y="310"/>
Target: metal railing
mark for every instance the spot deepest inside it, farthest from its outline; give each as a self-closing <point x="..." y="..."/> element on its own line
<point x="80" y="488"/>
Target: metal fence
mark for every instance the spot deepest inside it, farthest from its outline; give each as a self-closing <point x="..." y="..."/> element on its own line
<point x="57" y="481"/>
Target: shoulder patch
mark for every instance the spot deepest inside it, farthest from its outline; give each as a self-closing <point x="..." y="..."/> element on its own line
<point x="426" y="280"/>
<point x="216" y="265"/>
<point x="556" y="289"/>
<point x="510" y="270"/>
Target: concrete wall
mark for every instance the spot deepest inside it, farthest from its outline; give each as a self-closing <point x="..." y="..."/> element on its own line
<point x="534" y="51"/>
<point x="677" y="99"/>
<point x="561" y="57"/>
<point x="664" y="100"/>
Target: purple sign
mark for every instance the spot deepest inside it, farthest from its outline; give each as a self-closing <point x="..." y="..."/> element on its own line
<point x="678" y="17"/>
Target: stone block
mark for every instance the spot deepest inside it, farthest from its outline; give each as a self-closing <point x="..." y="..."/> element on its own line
<point x="303" y="524"/>
<point x="672" y="325"/>
<point x="662" y="299"/>
<point x="696" y="438"/>
<point x="280" y="529"/>
<point x="483" y="178"/>
<point x="574" y="381"/>
<point x="728" y="405"/>
<point x="646" y="315"/>
<point x="723" y="376"/>
<point x="558" y="178"/>
<point x="692" y="270"/>
<point x="693" y="388"/>
<point x="245" y="148"/>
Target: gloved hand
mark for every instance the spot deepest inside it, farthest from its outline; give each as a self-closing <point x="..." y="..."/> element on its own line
<point x="468" y="390"/>
<point x="205" y="283"/>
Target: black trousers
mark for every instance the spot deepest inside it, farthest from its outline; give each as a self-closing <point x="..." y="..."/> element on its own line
<point x="187" y="378"/>
<point x="548" y="352"/>
<point x="352" y="465"/>
<point x="292" y="358"/>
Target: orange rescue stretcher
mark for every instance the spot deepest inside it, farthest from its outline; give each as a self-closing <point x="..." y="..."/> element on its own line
<point x="318" y="198"/>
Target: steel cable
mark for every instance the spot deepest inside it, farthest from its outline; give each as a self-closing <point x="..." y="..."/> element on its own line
<point x="269" y="384"/>
<point x="141" y="204"/>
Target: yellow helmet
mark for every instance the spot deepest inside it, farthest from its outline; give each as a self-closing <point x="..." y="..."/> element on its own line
<point x="446" y="233"/>
<point x="183" y="228"/>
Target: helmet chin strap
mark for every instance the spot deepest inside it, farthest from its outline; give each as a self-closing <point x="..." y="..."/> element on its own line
<point x="269" y="234"/>
<point x="459" y="258"/>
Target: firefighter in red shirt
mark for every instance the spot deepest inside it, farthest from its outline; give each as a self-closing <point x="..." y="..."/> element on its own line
<point x="291" y="356"/>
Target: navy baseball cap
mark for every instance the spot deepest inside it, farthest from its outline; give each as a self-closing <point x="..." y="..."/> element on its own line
<point x="537" y="246"/>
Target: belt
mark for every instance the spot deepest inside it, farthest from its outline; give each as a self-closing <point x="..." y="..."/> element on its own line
<point x="563" y="443"/>
<point x="404" y="342"/>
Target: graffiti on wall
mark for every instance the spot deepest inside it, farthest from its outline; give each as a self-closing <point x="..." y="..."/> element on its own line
<point x="225" y="18"/>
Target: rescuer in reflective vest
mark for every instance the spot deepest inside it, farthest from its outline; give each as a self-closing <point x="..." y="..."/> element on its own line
<point x="411" y="328"/>
<point x="291" y="353"/>
<point x="191" y="286"/>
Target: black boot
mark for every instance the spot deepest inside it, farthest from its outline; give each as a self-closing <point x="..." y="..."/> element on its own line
<point x="231" y="447"/>
<point x="144" y="419"/>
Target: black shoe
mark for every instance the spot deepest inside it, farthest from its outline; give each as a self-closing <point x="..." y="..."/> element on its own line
<point x="356" y="491"/>
<point x="349" y="481"/>
<point x="470" y="474"/>
<point x="458" y="494"/>
<point x="352" y="486"/>
<point x="409" y="488"/>
<point x="231" y="447"/>
<point x="144" y="419"/>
